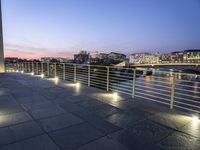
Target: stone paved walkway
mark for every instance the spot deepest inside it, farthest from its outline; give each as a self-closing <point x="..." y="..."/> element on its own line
<point x="37" y="114"/>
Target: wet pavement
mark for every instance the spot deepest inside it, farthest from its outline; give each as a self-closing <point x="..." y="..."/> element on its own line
<point x="39" y="114"/>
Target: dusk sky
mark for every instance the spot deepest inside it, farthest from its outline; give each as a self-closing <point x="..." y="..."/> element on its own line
<point x="37" y="28"/>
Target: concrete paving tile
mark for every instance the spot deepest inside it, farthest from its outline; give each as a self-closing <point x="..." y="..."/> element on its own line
<point x="8" y="109"/>
<point x="42" y="142"/>
<point x="192" y="128"/>
<point x="128" y="118"/>
<point x="75" y="136"/>
<point x="19" y="132"/>
<point x="180" y="141"/>
<point x="32" y="99"/>
<point x="59" y="122"/>
<point x="102" y="125"/>
<point x="104" y="143"/>
<point x="11" y="119"/>
<point x="175" y="121"/>
<point x="46" y="112"/>
<point x="38" y="105"/>
<point x="132" y="141"/>
<point x="7" y="100"/>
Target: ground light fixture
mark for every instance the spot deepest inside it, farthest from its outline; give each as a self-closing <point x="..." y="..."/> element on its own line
<point x="115" y="95"/>
<point x="32" y="73"/>
<point x="42" y="75"/>
<point x="78" y="84"/>
<point x="195" y="118"/>
<point x="56" y="79"/>
<point x="22" y="71"/>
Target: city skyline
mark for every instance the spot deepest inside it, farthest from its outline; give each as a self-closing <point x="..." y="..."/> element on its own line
<point x="34" y="29"/>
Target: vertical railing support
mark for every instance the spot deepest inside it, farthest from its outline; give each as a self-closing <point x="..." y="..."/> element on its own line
<point x="108" y="71"/>
<point x="48" y="71"/>
<point x="133" y="86"/>
<point x="37" y="69"/>
<point x="55" y="69"/>
<point x="172" y="91"/>
<point x="42" y="68"/>
<point x="88" y="75"/>
<point x="32" y="67"/>
<point x="63" y="71"/>
<point x="29" y="67"/>
<point x="74" y="73"/>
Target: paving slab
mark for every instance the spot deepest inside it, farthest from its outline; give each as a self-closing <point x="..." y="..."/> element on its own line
<point x="102" y="125"/>
<point x="75" y="136"/>
<point x="180" y="141"/>
<point x="175" y="121"/>
<point x="11" y="119"/>
<point x="46" y="112"/>
<point x="19" y="132"/>
<point x="192" y="128"/>
<point x="128" y="118"/>
<point x="42" y="142"/>
<point x="59" y="122"/>
<point x="38" y="105"/>
<point x="104" y="143"/>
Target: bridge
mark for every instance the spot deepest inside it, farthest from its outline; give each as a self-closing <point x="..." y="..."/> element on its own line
<point x="166" y="64"/>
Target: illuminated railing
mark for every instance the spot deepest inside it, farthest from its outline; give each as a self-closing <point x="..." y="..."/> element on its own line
<point x="176" y="90"/>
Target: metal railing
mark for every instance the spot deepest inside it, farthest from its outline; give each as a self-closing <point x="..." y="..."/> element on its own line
<point x="176" y="90"/>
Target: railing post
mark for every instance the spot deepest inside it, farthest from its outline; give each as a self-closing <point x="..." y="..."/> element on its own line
<point x="63" y="71"/>
<point x="37" y="68"/>
<point x="55" y="73"/>
<point x="172" y="91"/>
<point x="48" y="72"/>
<point x="88" y="75"/>
<point x="134" y="79"/>
<point x="108" y="71"/>
<point x="29" y="66"/>
<point x="42" y="68"/>
<point x="33" y="67"/>
<point x="74" y="73"/>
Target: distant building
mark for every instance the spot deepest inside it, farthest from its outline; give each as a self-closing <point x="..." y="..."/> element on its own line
<point x="82" y="57"/>
<point x="54" y="59"/>
<point x="191" y="56"/>
<point x="11" y="59"/>
<point x="144" y="58"/>
<point x="116" y="56"/>
<point x="102" y="56"/>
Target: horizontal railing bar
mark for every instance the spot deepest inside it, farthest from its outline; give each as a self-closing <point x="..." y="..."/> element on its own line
<point x="152" y="96"/>
<point x="187" y="104"/>
<point x="185" y="99"/>
<point x="150" y="99"/>
<point x="153" y="88"/>
<point x="152" y="92"/>
<point x="187" y="90"/>
<point x="187" y="95"/>
<point x="196" y="111"/>
<point x="153" y="84"/>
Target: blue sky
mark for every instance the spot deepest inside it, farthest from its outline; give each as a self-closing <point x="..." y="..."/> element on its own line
<point x="36" y="28"/>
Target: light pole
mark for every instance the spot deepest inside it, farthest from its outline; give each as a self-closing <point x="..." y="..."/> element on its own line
<point x="2" y="67"/>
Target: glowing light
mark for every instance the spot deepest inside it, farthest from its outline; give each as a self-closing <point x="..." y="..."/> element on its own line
<point x="115" y="95"/>
<point x="56" y="79"/>
<point x="78" y="84"/>
<point x="42" y="75"/>
<point x="17" y="70"/>
<point x="195" y="118"/>
<point x="32" y="73"/>
<point x="22" y="71"/>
